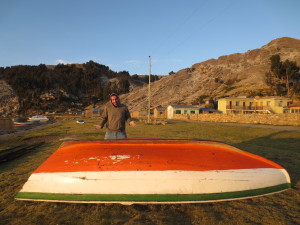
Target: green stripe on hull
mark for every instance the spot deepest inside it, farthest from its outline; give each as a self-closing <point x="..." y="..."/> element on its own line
<point x="150" y="197"/>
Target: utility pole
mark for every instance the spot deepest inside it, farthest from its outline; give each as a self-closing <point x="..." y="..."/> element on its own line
<point x="149" y="92"/>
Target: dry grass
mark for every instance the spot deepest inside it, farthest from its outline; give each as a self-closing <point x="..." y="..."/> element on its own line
<point x="279" y="146"/>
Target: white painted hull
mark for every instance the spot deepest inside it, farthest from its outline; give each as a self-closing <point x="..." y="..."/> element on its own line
<point x="155" y="182"/>
<point x="144" y="171"/>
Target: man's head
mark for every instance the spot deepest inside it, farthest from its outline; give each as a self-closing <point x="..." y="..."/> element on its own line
<point x="114" y="98"/>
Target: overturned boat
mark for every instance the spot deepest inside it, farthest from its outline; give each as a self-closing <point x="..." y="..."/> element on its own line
<point x="38" y="118"/>
<point x="132" y="171"/>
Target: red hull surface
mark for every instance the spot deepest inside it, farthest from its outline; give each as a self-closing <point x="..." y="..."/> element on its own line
<point x="156" y="171"/>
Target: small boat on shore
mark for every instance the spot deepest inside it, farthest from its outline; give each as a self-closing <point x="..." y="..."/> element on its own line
<point x="16" y="123"/>
<point x="38" y="118"/>
<point x="21" y="122"/>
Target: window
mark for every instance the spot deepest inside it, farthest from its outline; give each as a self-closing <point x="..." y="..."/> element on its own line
<point x="177" y="111"/>
<point x="192" y="112"/>
<point x="237" y="103"/>
<point x="250" y="106"/>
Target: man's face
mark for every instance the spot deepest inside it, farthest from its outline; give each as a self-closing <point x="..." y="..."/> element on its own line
<point x="115" y="100"/>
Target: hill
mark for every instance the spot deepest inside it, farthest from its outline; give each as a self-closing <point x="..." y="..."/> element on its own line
<point x="230" y="75"/>
<point x="37" y="89"/>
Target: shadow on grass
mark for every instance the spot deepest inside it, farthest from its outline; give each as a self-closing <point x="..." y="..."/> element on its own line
<point x="279" y="149"/>
<point x="30" y="159"/>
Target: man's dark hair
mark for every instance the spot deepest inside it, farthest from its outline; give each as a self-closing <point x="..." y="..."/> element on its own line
<point x="114" y="94"/>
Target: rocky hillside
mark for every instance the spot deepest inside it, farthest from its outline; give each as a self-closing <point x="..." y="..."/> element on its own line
<point x="61" y="88"/>
<point x="8" y="99"/>
<point x="231" y="75"/>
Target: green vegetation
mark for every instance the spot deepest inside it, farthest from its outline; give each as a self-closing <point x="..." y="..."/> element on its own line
<point x="65" y="86"/>
<point x="280" y="146"/>
<point x="283" y="77"/>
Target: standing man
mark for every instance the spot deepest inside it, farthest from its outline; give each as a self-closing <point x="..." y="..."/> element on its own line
<point x="114" y="116"/>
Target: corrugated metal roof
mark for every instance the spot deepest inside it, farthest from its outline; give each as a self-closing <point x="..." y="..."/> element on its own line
<point x="160" y="108"/>
<point x="185" y="106"/>
<point x="208" y="109"/>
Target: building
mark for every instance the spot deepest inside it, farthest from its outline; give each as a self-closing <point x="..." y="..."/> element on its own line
<point x="208" y="110"/>
<point x="243" y="104"/>
<point x="295" y="107"/>
<point x="141" y="114"/>
<point x="93" y="112"/>
<point x="173" y="110"/>
<point x="135" y="114"/>
<point x="160" y="112"/>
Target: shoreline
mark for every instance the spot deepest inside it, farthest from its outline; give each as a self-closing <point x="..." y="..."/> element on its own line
<point x="25" y="130"/>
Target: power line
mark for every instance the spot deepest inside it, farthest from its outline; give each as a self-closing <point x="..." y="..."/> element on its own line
<point x="179" y="26"/>
<point x="222" y="11"/>
<point x="204" y="25"/>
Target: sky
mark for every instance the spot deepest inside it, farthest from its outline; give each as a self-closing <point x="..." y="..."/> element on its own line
<point x="122" y="34"/>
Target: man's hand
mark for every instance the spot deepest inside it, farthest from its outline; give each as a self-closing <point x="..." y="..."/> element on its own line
<point x="132" y="123"/>
<point x="97" y="127"/>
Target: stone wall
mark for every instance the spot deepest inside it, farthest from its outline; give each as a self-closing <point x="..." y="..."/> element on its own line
<point x="272" y="119"/>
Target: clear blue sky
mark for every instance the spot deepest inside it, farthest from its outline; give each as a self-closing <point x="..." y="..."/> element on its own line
<point x="122" y="34"/>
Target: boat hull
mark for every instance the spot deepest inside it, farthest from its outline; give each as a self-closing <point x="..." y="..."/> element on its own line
<point x="22" y="123"/>
<point x="152" y="171"/>
<point x="38" y="118"/>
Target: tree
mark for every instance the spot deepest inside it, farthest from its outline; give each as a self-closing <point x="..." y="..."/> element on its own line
<point x="123" y="75"/>
<point x="135" y="77"/>
<point x="88" y="83"/>
<point x="123" y="86"/>
<point x="283" y="77"/>
<point x="291" y="76"/>
<point x="154" y="78"/>
<point x="200" y="99"/>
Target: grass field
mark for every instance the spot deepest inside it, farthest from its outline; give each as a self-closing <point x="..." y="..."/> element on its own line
<point x="280" y="146"/>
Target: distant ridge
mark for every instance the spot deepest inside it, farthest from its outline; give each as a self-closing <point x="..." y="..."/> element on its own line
<point x="229" y="75"/>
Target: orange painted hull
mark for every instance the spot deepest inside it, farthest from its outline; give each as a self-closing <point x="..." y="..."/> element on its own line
<point x="154" y="171"/>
